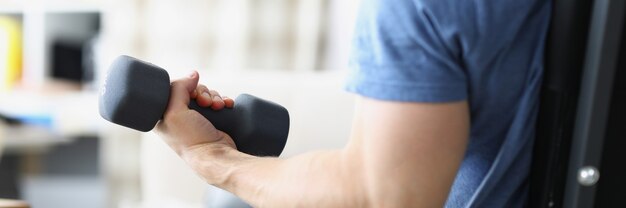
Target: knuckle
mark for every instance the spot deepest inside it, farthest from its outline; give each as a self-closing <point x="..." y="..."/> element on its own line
<point x="202" y="88"/>
<point x="215" y="93"/>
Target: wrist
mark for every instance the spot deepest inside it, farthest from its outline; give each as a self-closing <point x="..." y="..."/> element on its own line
<point x="211" y="161"/>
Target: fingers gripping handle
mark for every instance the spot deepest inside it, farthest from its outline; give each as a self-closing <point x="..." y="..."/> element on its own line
<point x="258" y="127"/>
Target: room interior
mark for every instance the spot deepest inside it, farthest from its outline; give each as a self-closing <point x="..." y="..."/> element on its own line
<point x="56" y="151"/>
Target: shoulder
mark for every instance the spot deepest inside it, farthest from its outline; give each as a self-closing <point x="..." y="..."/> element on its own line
<point x="407" y="50"/>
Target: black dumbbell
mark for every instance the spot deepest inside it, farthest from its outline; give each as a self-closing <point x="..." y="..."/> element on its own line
<point x="136" y="93"/>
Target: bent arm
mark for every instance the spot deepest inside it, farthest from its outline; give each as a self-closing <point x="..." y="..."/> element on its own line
<point x="399" y="154"/>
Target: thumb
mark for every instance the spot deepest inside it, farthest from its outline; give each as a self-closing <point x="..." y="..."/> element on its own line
<point x="180" y="92"/>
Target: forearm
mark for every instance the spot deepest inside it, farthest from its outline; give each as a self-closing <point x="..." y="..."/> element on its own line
<point x="320" y="179"/>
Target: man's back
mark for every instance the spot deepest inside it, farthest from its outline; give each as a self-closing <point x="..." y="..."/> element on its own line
<point x="489" y="53"/>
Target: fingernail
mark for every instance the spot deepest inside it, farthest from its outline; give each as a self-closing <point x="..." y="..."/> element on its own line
<point x="206" y="95"/>
<point x="192" y="74"/>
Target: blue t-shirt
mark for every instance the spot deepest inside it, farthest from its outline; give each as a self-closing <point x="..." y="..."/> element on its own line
<point x="489" y="53"/>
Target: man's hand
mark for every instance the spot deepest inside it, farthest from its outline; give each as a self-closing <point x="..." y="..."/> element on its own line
<point x="186" y="131"/>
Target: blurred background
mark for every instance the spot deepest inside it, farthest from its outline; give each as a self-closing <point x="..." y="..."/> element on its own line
<point x="56" y="151"/>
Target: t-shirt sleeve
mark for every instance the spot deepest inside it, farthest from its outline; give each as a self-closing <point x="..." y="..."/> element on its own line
<point x="404" y="50"/>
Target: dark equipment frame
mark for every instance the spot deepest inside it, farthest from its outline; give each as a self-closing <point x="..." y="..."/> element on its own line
<point x="582" y="113"/>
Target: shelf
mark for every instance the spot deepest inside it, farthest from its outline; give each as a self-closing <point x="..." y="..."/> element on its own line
<point x="49" y="6"/>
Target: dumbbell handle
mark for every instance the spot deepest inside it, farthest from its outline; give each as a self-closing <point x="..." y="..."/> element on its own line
<point x="256" y="135"/>
<point x="225" y="120"/>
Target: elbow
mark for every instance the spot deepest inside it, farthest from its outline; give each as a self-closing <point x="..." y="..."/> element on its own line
<point x="371" y="187"/>
<point x="386" y="193"/>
